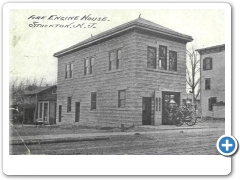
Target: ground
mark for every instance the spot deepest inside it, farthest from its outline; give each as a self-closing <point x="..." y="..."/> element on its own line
<point x="199" y="139"/>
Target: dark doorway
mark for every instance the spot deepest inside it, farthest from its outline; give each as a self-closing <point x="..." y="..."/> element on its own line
<point x="165" y="103"/>
<point x="146" y="110"/>
<point x="77" y="111"/>
<point x="60" y="113"/>
<point x="55" y="112"/>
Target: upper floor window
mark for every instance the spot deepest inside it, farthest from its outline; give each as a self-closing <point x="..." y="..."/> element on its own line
<point x="66" y="71"/>
<point x="151" y="57"/>
<point x="121" y="98"/>
<point x="162" y="62"/>
<point x="207" y="63"/>
<point x="86" y="66"/>
<point x="111" y="60"/>
<point x="69" y="70"/>
<point x="172" y="61"/>
<point x="93" y="100"/>
<point x="119" y="59"/>
<point x="207" y="84"/>
<point x="91" y="65"/>
<point x="69" y="103"/>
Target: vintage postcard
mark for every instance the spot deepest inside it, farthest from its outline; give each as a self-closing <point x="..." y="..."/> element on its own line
<point x="144" y="83"/>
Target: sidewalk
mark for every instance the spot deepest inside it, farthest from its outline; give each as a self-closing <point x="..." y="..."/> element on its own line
<point x="60" y="138"/>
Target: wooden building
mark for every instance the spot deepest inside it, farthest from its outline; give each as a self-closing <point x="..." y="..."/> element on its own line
<point x="122" y="76"/>
<point x="40" y="103"/>
<point x="213" y="81"/>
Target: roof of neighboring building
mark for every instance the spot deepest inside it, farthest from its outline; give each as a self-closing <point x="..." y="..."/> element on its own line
<point x="38" y="90"/>
<point x="137" y="23"/>
<point x="211" y="49"/>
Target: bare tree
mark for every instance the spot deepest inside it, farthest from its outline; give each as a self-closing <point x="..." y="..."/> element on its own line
<point x="193" y="72"/>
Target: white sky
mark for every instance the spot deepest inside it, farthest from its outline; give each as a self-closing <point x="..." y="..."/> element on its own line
<point x="32" y="55"/>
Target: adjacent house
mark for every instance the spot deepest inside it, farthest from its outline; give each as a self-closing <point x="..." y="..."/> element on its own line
<point x="124" y="75"/>
<point x="213" y="81"/>
<point x="40" y="103"/>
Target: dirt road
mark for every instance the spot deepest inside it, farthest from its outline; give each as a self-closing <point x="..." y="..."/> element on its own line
<point x="169" y="142"/>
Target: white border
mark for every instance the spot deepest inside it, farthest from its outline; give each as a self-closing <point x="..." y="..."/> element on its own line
<point x="114" y="165"/>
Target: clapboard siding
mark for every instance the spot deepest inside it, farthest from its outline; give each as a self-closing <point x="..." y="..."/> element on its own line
<point x="134" y="76"/>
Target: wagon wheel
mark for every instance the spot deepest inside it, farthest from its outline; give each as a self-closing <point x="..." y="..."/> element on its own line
<point x="178" y="118"/>
<point x="192" y="118"/>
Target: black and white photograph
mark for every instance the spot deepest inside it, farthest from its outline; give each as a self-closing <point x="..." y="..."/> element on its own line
<point x="112" y="81"/>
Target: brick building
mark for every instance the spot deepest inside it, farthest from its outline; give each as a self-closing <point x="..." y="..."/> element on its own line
<point x="123" y="75"/>
<point x="213" y="81"/>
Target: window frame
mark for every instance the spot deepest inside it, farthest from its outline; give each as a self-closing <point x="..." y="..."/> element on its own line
<point x="205" y="63"/>
<point x="69" y="104"/>
<point x="207" y="86"/>
<point x="91" y="63"/>
<point x="121" y="99"/>
<point x="162" y="59"/>
<point x="118" y="60"/>
<point x="70" y="70"/>
<point x="66" y="70"/>
<point x="155" y="58"/>
<point x="93" y="103"/>
<point x="111" y="61"/>
<point x="175" y="63"/>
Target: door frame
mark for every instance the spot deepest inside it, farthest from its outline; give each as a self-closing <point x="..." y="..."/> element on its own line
<point x="48" y="110"/>
<point x="163" y="98"/>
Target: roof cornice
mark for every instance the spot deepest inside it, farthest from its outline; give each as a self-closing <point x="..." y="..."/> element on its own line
<point x="122" y="29"/>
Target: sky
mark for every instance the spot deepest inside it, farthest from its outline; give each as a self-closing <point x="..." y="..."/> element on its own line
<point x="32" y="47"/>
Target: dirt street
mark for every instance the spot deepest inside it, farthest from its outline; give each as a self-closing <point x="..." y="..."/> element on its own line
<point x="168" y="142"/>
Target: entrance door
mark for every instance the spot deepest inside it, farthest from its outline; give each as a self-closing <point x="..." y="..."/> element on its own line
<point x="146" y="110"/>
<point x="60" y="113"/>
<point x="165" y="103"/>
<point x="77" y="111"/>
<point x="43" y="110"/>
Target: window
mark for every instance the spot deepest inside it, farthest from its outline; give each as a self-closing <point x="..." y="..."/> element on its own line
<point x="121" y="98"/>
<point x="54" y="90"/>
<point x="162" y="62"/>
<point x="207" y="84"/>
<point x="91" y="65"/>
<point x="211" y="101"/>
<point x="207" y="63"/>
<point x="119" y="59"/>
<point x="66" y="71"/>
<point x="111" y="60"/>
<point x="151" y="57"/>
<point x="69" y="102"/>
<point x="93" y="100"/>
<point x="86" y="67"/>
<point x="172" y="61"/>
